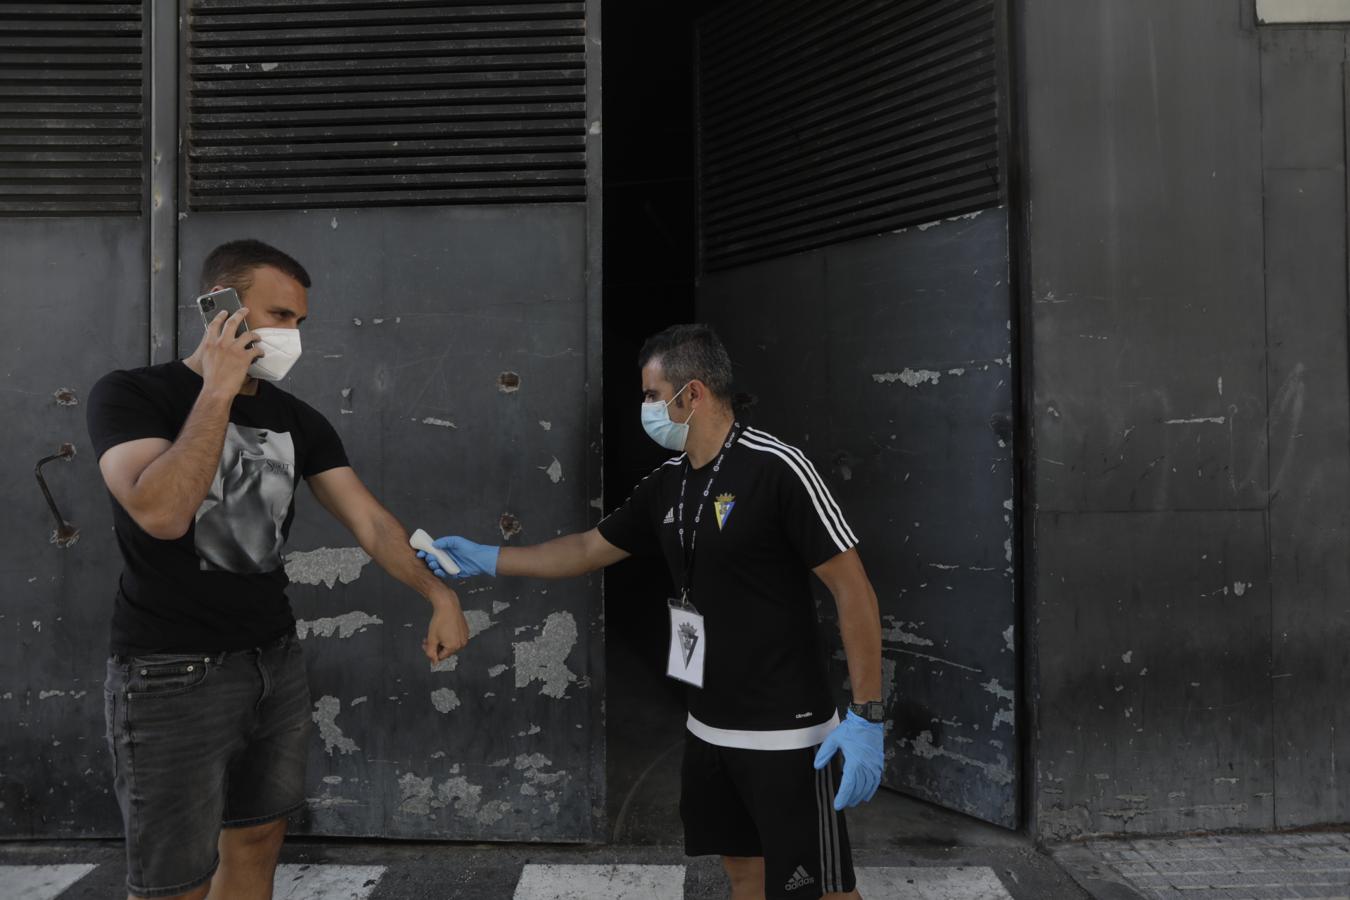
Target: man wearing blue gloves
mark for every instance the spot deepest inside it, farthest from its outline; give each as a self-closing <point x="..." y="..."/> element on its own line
<point x="743" y="520"/>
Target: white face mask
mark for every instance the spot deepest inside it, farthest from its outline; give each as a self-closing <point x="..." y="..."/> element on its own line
<point x="656" y="422"/>
<point x="281" y="349"/>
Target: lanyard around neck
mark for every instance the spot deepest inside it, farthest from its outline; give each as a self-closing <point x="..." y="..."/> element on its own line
<point x="690" y="547"/>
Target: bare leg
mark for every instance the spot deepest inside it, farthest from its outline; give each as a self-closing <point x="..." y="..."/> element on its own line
<point x="248" y="862"/>
<point x="194" y="894"/>
<point x="747" y="876"/>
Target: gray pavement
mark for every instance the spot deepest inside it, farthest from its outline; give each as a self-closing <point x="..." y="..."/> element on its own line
<point x="958" y="867"/>
<point x="1231" y="867"/>
<point x="412" y="871"/>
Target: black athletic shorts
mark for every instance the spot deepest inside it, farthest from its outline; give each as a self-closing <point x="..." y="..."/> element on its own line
<point x="769" y="803"/>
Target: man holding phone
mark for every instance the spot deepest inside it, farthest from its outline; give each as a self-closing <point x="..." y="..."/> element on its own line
<point x="208" y="708"/>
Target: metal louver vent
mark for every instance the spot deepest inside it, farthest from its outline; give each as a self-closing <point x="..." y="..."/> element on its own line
<point x="824" y="122"/>
<point x="325" y="103"/>
<point x="72" y="139"/>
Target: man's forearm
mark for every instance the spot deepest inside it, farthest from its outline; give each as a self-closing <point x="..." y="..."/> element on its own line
<point x="172" y="488"/>
<point x="564" y="557"/>
<point x="860" y="628"/>
<point x="386" y="540"/>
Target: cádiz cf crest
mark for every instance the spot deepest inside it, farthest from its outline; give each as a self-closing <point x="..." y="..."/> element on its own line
<point x="688" y="641"/>
<point x="723" y="506"/>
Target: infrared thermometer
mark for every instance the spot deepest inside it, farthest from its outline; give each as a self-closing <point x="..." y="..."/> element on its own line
<point x="420" y="540"/>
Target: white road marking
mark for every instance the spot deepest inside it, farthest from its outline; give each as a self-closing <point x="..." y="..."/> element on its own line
<point x="39" y="882"/>
<point x="539" y="882"/>
<point x="326" y="882"/>
<point x="549" y="882"/>
<point x="931" y="883"/>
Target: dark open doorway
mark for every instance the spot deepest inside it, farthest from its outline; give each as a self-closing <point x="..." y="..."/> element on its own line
<point x="651" y="280"/>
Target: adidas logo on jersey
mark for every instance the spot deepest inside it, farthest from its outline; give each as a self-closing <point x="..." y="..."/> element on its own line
<point x="799" y="879"/>
<point x="670" y="517"/>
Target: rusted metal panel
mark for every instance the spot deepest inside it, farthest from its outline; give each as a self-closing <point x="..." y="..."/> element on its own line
<point x="1152" y="434"/>
<point x="903" y="398"/>
<point x="1154" y="673"/>
<point x="68" y="283"/>
<point x="1303" y="73"/>
<point x="1147" y="288"/>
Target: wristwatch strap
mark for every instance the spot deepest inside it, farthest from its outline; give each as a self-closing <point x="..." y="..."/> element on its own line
<point x="872" y="711"/>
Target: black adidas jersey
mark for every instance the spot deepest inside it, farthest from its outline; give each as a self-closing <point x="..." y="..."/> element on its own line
<point x="768" y="522"/>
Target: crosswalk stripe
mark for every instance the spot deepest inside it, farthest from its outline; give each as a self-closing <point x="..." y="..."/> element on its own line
<point x="326" y="882"/>
<point x="542" y="882"/>
<point x="40" y="882"/>
<point x="932" y="883"/>
<point x="548" y="882"/>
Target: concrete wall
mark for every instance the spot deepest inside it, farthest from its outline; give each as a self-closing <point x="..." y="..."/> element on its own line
<point x="1184" y="317"/>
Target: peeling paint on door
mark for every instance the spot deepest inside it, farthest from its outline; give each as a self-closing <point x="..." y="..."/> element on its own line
<point x="326" y="565"/>
<point x="444" y="700"/>
<point x="544" y="659"/>
<point x="326" y="711"/>
<point x="343" y="626"/>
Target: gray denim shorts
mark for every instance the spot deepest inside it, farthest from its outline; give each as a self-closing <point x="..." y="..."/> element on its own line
<point x="201" y="743"/>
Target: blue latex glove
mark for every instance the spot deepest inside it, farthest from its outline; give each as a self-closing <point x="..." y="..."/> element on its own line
<point x="472" y="559"/>
<point x="864" y="758"/>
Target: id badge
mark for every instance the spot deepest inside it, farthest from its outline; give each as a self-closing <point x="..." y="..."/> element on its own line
<point x="688" y="645"/>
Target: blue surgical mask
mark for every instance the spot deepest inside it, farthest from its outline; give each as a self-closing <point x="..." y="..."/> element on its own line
<point x="656" y="422"/>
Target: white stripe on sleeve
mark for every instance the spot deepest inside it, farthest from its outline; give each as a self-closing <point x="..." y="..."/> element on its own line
<point x="825" y="517"/>
<point x="814" y="474"/>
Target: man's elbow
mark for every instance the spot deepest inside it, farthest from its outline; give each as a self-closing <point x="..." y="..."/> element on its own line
<point x="162" y="526"/>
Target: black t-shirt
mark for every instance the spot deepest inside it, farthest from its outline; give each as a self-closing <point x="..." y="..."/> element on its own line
<point x="767" y="523"/>
<point x="222" y="586"/>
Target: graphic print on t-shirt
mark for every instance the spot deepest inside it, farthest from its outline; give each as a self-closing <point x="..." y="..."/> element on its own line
<point x="240" y="523"/>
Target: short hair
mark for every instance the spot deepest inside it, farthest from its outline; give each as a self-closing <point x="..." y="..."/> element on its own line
<point x="689" y="352"/>
<point x="233" y="264"/>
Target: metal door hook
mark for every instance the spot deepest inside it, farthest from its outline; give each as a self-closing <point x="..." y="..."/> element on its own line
<point x="65" y="534"/>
